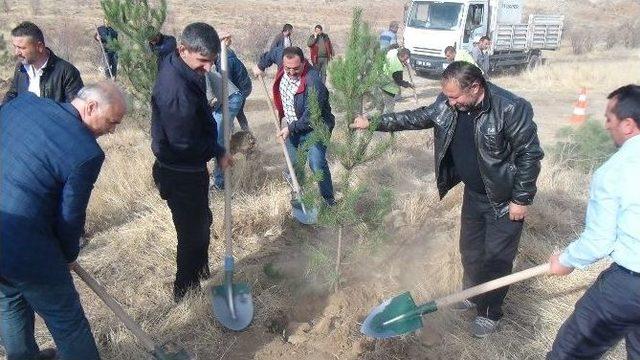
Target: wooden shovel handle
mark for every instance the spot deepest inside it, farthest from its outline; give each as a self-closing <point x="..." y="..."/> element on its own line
<point x="111" y="303"/>
<point x="493" y="284"/>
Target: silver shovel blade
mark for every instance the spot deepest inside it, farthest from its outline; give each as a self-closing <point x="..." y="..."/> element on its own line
<point x="305" y="215"/>
<point x="242" y="303"/>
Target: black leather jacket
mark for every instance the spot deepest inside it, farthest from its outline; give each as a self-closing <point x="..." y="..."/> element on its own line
<point x="506" y="137"/>
<point x="60" y="81"/>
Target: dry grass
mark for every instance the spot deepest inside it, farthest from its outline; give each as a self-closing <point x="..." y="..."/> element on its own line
<point x="132" y="239"/>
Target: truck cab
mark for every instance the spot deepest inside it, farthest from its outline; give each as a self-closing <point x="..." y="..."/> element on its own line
<point x="431" y="26"/>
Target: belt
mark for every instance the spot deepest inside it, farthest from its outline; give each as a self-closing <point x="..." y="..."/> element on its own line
<point x="630" y="272"/>
<point x="187" y="168"/>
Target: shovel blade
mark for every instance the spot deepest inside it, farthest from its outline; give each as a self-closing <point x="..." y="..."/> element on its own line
<point x="374" y="325"/>
<point x="307" y="216"/>
<point x="242" y="304"/>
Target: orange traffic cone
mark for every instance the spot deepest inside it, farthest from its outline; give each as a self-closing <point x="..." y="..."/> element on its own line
<point x="580" y="108"/>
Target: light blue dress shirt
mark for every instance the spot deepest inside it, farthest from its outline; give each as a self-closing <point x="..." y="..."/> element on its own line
<point x="613" y="215"/>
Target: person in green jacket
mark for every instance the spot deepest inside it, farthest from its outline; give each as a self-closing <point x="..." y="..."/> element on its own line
<point x="397" y="59"/>
<point x="460" y="55"/>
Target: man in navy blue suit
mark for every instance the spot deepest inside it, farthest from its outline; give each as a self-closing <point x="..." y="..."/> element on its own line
<point x="49" y="162"/>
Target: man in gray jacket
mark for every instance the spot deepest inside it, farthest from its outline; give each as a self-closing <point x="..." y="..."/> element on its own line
<point x="480" y="54"/>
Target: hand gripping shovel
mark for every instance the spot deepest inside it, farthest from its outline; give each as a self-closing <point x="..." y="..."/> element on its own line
<point x="154" y="349"/>
<point x="299" y="210"/>
<point x="401" y="315"/>
<point x="232" y="303"/>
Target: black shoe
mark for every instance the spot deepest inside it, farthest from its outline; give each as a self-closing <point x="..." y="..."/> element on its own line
<point x="47" y="354"/>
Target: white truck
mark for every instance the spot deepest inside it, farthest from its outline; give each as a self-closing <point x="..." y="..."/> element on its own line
<point x="431" y="26"/>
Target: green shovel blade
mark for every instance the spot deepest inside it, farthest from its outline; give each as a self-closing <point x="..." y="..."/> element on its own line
<point x="395" y="317"/>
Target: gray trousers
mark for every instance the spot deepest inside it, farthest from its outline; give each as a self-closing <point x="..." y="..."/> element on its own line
<point x="321" y="66"/>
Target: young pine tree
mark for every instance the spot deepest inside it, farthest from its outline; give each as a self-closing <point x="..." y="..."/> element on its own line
<point x="356" y="78"/>
<point x="136" y="21"/>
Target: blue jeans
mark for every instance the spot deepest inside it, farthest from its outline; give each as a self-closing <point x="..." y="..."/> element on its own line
<point x="317" y="162"/>
<point x="112" y="62"/>
<point x="236" y="101"/>
<point x="607" y="312"/>
<point x="59" y="305"/>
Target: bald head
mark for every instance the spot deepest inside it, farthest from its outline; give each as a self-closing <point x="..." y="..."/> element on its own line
<point x="102" y="106"/>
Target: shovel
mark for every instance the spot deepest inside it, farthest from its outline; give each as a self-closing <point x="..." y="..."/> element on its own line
<point x="409" y="70"/>
<point x="299" y="210"/>
<point x="232" y="303"/>
<point x="401" y="315"/>
<point x="154" y="349"/>
<point x="104" y="54"/>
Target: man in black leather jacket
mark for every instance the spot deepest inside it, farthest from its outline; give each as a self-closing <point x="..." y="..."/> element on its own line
<point x="486" y="138"/>
<point x="39" y="70"/>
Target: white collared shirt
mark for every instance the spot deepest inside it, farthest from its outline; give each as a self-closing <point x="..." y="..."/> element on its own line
<point x="34" y="77"/>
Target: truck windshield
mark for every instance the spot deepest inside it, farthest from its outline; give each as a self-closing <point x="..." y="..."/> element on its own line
<point x="434" y="15"/>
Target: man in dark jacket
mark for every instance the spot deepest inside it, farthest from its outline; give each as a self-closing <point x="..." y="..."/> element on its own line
<point x="274" y="55"/>
<point x="40" y="71"/>
<point x="162" y="45"/>
<point x="294" y="81"/>
<point x="183" y="139"/>
<point x="321" y="50"/>
<point x="485" y="137"/>
<point x="105" y="34"/>
<point x="239" y="76"/>
<point x="52" y="160"/>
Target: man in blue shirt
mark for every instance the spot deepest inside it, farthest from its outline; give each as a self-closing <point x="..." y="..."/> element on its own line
<point x="610" y="308"/>
<point x="388" y="38"/>
<point x="50" y="161"/>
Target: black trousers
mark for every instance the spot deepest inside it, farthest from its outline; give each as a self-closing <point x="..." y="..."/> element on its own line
<point x="607" y="312"/>
<point x="488" y="246"/>
<point x="187" y="195"/>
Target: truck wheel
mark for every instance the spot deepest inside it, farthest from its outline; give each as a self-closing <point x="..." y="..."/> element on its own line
<point x="534" y="62"/>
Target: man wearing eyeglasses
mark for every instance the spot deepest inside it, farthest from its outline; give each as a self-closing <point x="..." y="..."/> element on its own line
<point x="295" y="80"/>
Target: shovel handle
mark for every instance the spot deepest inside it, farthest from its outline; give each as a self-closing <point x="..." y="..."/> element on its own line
<point x="104" y="53"/>
<point x="111" y="303"/>
<point x="409" y="70"/>
<point x="226" y="129"/>
<point x="276" y="118"/>
<point x="493" y="284"/>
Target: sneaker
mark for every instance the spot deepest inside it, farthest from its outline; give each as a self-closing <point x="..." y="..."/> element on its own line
<point x="462" y="306"/>
<point x="483" y="326"/>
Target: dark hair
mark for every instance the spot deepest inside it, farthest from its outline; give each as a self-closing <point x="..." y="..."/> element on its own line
<point x="394" y="25"/>
<point x="318" y="27"/>
<point x="404" y="52"/>
<point x="449" y="49"/>
<point x="28" y="29"/>
<point x="485" y="37"/>
<point x="201" y="38"/>
<point x="287" y="27"/>
<point x="627" y="102"/>
<point x="292" y="51"/>
<point x="464" y="73"/>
